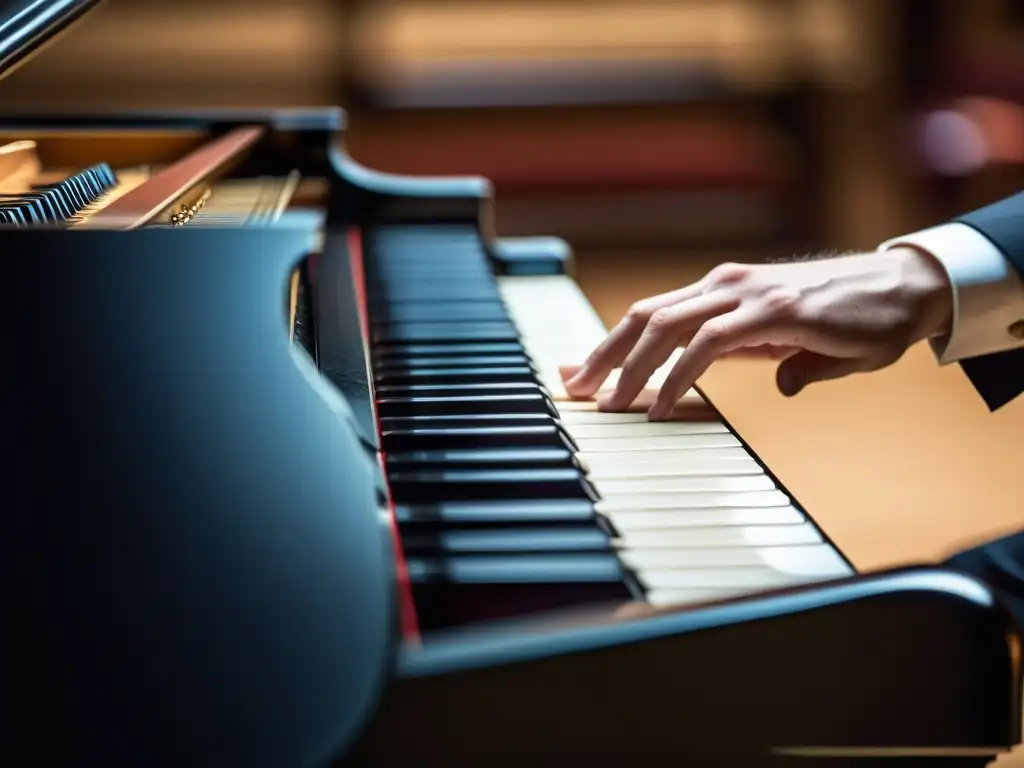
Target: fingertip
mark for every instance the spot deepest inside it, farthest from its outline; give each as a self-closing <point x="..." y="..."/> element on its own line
<point x="569" y="372"/>
<point x="658" y="412"/>
<point x="578" y="388"/>
<point x="608" y="402"/>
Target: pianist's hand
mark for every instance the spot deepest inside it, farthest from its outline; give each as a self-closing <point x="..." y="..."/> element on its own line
<point x="824" y="319"/>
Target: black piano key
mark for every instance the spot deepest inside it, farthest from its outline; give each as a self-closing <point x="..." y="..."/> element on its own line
<point x="441" y="376"/>
<point x="516" y="569"/>
<point x="402" y="333"/>
<point x="466" y="589"/>
<point x="426" y="406"/>
<point x="446" y="311"/>
<point x="584" y="538"/>
<point x="412" y="238"/>
<point x="379" y="299"/>
<point x="385" y="362"/>
<point x="466" y="421"/>
<point x="461" y="271"/>
<point x="488" y="388"/>
<point x="494" y="458"/>
<point x="484" y="485"/>
<point x="450" y="284"/>
<point x="552" y="436"/>
<point x="505" y="513"/>
<point x="396" y="351"/>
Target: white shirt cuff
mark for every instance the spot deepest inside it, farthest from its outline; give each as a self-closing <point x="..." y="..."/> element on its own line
<point x="988" y="294"/>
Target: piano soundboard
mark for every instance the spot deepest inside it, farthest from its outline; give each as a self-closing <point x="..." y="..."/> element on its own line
<point x="317" y="492"/>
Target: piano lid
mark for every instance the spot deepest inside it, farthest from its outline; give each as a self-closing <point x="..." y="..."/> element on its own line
<point x="26" y="25"/>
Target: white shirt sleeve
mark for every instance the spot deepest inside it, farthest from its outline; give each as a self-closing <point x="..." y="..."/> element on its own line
<point x="988" y="294"/>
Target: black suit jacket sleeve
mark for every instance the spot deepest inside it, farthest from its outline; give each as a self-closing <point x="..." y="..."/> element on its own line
<point x="999" y="378"/>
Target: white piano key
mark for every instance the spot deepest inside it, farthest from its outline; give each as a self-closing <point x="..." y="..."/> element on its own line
<point x="629" y="521"/>
<point x="690" y="398"/>
<point x="573" y="418"/>
<point x="715" y="578"/>
<point x="816" y="560"/>
<point x="665" y="457"/>
<point x="552" y="310"/>
<point x="696" y="467"/>
<point x="697" y="500"/>
<point x="615" y="431"/>
<point x="659" y="442"/>
<point x="684" y="484"/>
<point x="728" y="536"/>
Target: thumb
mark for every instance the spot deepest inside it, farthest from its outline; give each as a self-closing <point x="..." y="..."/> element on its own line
<point x="805" y="368"/>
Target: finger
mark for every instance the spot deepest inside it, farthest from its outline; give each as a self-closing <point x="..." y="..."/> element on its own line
<point x="717" y="337"/>
<point x="806" y="368"/>
<point x="650" y="353"/>
<point x="763" y="351"/>
<point x="657" y="343"/>
<point x="610" y="353"/>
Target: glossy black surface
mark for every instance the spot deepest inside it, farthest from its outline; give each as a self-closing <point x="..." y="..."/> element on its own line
<point x="27" y="24"/>
<point x="189" y="508"/>
<point x="886" y="661"/>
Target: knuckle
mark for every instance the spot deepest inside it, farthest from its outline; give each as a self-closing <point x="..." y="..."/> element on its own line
<point x="782" y="302"/>
<point x="661" y="320"/>
<point x="711" y="333"/>
<point x="640" y="311"/>
<point x="730" y="272"/>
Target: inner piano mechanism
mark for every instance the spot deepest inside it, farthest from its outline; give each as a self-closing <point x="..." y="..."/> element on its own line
<point x="194" y="189"/>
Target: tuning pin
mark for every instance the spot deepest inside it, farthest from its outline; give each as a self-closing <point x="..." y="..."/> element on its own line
<point x="60" y="203"/>
<point x="76" y="191"/>
<point x="36" y="202"/>
<point x="90" y="184"/>
<point x="23" y="214"/>
<point x="106" y="175"/>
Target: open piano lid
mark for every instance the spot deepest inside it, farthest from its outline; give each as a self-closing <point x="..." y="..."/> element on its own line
<point x="27" y="25"/>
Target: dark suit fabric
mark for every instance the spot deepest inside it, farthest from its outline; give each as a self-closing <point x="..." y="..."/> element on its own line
<point x="1000" y="564"/>
<point x="999" y="378"/>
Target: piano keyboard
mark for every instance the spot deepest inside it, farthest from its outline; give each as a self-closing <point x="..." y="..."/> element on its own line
<point x="509" y="496"/>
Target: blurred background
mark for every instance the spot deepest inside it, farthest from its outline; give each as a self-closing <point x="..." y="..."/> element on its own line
<point x="670" y="125"/>
<point x="661" y="137"/>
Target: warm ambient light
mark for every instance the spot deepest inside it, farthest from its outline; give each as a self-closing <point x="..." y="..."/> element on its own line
<point x="971" y="134"/>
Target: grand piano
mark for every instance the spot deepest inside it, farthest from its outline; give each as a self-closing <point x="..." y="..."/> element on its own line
<point x="291" y="481"/>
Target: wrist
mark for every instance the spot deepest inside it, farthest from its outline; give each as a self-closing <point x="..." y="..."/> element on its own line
<point x="928" y="291"/>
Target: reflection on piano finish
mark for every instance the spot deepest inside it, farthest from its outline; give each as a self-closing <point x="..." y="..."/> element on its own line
<point x="293" y="452"/>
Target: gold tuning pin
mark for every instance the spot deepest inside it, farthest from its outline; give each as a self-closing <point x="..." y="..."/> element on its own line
<point x="187" y="212"/>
